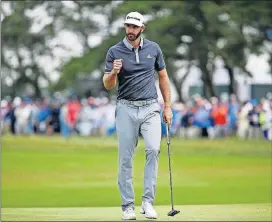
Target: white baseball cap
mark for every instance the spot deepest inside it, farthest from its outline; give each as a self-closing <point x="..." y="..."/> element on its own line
<point x="134" y="18"/>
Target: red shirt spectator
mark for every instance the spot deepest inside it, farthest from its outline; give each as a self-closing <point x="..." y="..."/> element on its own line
<point x="72" y="112"/>
<point x="220" y="114"/>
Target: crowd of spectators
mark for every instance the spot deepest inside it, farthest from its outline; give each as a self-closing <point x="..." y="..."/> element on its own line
<point x="196" y="118"/>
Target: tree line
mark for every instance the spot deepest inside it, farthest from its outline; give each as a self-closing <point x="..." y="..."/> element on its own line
<point x="190" y="33"/>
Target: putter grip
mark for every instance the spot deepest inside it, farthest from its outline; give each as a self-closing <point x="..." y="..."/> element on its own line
<point x="167" y="134"/>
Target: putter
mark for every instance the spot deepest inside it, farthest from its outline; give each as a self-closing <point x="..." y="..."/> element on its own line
<point x="173" y="212"/>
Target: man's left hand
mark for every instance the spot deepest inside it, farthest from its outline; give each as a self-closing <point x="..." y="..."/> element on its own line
<point x="167" y="115"/>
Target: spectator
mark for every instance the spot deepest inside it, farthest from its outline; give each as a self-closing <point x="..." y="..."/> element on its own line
<point x="73" y="110"/>
<point x="84" y="119"/>
<point x="266" y="120"/>
<point x="53" y="120"/>
<point x="243" y="123"/>
<point x="5" y="121"/>
<point x="35" y="108"/>
<point x="111" y="118"/>
<point x="43" y="117"/>
<point x="22" y="114"/>
<point x="201" y="120"/>
<point x="214" y="105"/>
<point x="186" y="122"/>
<point x="232" y="115"/>
<point x="63" y="119"/>
<point x="254" y="125"/>
<point x="219" y="113"/>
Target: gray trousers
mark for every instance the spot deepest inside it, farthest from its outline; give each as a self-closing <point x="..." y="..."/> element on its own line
<point x="130" y="121"/>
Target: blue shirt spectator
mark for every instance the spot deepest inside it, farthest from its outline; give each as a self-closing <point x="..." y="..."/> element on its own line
<point x="202" y="118"/>
<point x="43" y="114"/>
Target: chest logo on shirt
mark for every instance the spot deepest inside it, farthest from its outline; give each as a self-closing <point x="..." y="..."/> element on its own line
<point x="149" y="56"/>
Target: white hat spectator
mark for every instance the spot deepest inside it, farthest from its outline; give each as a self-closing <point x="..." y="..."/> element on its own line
<point x="17" y="101"/>
<point x="4" y="103"/>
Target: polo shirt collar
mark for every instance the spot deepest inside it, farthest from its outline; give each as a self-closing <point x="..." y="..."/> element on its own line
<point x="129" y="46"/>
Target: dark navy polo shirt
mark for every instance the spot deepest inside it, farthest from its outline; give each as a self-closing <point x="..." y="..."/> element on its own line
<point x="136" y="80"/>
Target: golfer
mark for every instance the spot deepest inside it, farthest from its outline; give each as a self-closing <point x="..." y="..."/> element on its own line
<point x="134" y="61"/>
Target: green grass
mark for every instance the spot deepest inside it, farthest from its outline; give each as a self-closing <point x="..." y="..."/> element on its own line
<point x="235" y="212"/>
<point x="82" y="172"/>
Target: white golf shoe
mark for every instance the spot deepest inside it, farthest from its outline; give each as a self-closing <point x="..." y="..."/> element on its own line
<point x="148" y="210"/>
<point x="129" y="214"/>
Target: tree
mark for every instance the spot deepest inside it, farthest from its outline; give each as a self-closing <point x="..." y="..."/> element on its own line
<point x="21" y="47"/>
<point x="166" y="22"/>
<point x="189" y="33"/>
<point x="243" y="35"/>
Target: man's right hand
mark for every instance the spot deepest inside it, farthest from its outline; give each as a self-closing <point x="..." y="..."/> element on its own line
<point x="117" y="65"/>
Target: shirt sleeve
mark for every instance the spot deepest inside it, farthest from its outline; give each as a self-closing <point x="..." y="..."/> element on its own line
<point x="159" y="63"/>
<point x="109" y="61"/>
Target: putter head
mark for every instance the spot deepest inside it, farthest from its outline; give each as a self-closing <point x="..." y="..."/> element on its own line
<point x="173" y="212"/>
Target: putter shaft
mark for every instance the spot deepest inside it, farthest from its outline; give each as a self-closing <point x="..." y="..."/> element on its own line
<point x="169" y="164"/>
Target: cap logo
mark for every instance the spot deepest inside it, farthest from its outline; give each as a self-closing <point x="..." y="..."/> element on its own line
<point x="130" y="17"/>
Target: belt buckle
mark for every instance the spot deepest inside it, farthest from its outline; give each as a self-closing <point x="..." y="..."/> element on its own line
<point x="138" y="103"/>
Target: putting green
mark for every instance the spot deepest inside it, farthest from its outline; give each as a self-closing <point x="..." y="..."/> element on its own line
<point x="223" y="212"/>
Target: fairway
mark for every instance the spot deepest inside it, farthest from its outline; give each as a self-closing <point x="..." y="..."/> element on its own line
<point x="49" y="178"/>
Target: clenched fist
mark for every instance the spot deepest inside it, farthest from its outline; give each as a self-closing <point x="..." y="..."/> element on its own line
<point x="117" y="65"/>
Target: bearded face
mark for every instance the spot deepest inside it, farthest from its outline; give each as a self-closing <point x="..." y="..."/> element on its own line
<point x="133" y="32"/>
